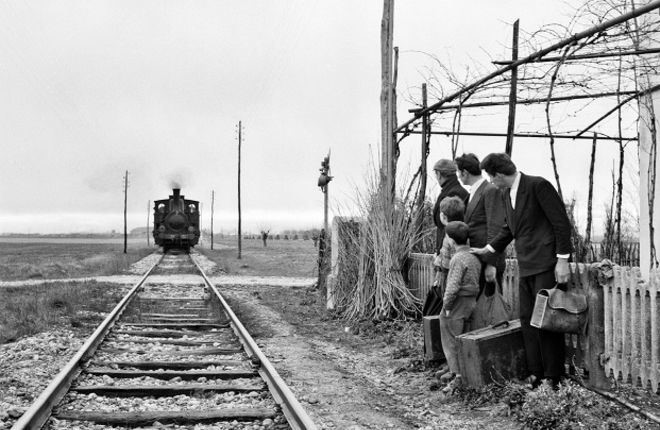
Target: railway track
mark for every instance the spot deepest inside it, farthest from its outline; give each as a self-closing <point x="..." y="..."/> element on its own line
<point x="168" y="356"/>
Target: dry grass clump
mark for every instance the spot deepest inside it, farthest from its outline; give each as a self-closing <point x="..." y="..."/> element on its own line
<point x="25" y="311"/>
<point x="372" y="254"/>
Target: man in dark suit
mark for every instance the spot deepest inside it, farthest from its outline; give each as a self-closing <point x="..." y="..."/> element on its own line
<point x="484" y="214"/>
<point x="445" y="173"/>
<point x="536" y="218"/>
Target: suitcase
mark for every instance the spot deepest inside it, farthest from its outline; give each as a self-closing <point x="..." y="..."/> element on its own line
<point x="432" y="339"/>
<point x="493" y="353"/>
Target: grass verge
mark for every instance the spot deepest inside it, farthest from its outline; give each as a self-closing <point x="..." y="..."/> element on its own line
<point x="296" y="258"/>
<point x="19" y="261"/>
<point x="25" y="311"/>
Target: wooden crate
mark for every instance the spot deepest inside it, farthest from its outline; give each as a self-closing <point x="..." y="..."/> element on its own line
<point x="492" y="354"/>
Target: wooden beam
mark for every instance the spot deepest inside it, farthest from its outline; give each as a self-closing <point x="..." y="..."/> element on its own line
<point x="587" y="56"/>
<point x="196" y="351"/>
<point x="154" y="315"/>
<point x="181" y="342"/>
<point x="178" y="320"/>
<point x="166" y="417"/>
<point x="169" y="374"/>
<point x="165" y="333"/>
<point x="537" y="135"/>
<point x="171" y="365"/>
<point x="178" y="325"/>
<point x="532" y="101"/>
<point x="163" y="390"/>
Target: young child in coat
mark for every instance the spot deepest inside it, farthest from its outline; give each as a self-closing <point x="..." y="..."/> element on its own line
<point x="451" y="209"/>
<point x="460" y="296"/>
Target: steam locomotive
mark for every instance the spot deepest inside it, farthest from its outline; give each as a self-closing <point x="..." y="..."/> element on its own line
<point x="176" y="222"/>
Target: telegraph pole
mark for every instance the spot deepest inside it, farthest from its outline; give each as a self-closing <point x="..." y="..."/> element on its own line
<point x="240" y="234"/>
<point x="148" y="209"/>
<point x="125" y="205"/>
<point x="386" y="105"/>
<point x="513" y="98"/>
<point x="212" y="202"/>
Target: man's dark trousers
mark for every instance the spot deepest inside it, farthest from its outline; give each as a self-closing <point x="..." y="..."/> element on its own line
<point x="544" y="349"/>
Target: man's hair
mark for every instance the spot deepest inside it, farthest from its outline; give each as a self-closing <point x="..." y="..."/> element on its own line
<point x="459" y="231"/>
<point x="468" y="162"/>
<point x="498" y="162"/>
<point x="453" y="208"/>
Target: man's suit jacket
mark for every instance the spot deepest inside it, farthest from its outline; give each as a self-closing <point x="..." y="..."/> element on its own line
<point x="451" y="188"/>
<point x="484" y="215"/>
<point x="539" y="225"/>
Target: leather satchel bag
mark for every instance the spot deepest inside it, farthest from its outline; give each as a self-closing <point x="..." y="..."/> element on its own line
<point x="560" y="311"/>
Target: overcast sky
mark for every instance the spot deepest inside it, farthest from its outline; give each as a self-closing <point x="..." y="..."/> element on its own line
<point x="93" y="88"/>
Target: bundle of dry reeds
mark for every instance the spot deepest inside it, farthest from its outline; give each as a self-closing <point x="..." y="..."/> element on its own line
<point x="373" y="253"/>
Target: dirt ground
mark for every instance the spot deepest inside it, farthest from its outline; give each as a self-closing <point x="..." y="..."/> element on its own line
<point x="365" y="376"/>
<point x="360" y="377"/>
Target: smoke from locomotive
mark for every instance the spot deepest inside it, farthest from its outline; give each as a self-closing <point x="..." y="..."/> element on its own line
<point x="176" y="222"/>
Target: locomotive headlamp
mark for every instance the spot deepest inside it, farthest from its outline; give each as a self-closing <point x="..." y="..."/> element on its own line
<point x="191" y="229"/>
<point x="161" y="228"/>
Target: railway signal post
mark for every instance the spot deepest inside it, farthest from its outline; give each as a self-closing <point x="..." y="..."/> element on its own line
<point x="324" y="180"/>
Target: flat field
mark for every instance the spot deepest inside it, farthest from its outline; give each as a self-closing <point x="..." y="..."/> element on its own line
<point x="296" y="258"/>
<point x="65" y="259"/>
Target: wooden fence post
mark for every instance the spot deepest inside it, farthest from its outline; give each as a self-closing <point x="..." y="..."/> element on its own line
<point x="596" y="331"/>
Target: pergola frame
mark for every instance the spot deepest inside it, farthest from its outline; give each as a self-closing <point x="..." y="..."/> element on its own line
<point x="422" y="121"/>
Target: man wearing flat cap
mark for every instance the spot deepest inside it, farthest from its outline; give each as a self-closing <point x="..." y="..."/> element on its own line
<point x="445" y="173"/>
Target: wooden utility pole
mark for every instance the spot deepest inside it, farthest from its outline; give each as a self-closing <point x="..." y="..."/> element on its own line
<point x="513" y="94"/>
<point x="386" y="108"/>
<point x="148" y="210"/>
<point x="425" y="152"/>
<point x="125" y="206"/>
<point x="590" y="198"/>
<point x="212" y="203"/>
<point x="240" y="127"/>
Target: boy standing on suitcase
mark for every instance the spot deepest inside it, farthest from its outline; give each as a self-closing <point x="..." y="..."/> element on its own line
<point x="460" y="296"/>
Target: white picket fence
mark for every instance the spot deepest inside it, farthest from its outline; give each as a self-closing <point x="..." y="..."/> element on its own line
<point x="632" y="327"/>
<point x="630" y="324"/>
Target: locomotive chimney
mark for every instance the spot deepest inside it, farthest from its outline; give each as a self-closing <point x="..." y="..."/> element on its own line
<point x="177" y="192"/>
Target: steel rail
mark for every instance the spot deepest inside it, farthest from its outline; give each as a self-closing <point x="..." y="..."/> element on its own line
<point x="39" y="412"/>
<point x="293" y="410"/>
